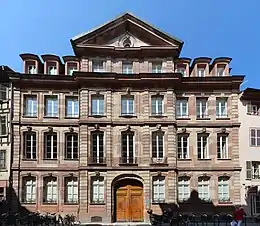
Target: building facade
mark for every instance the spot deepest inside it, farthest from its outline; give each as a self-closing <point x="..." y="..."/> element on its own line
<point x="124" y="125"/>
<point x="249" y="148"/>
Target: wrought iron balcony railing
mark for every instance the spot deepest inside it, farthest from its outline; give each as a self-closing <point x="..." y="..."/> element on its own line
<point x="96" y="160"/>
<point x="158" y="161"/>
<point x="128" y="160"/>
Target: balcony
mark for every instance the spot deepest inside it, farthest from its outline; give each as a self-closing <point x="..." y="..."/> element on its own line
<point x="158" y="161"/>
<point x="127" y="161"/>
<point x="96" y="160"/>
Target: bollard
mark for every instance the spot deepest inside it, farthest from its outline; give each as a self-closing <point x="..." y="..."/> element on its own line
<point x="204" y="219"/>
<point x="216" y="220"/>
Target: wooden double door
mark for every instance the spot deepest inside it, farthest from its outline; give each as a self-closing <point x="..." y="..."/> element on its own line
<point x="129" y="201"/>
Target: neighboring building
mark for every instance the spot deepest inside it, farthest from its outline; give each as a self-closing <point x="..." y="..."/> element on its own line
<point x="5" y="131"/>
<point x="249" y="113"/>
<point x="123" y="126"/>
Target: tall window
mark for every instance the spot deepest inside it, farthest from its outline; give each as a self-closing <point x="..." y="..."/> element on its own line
<point x="127" y="147"/>
<point x="97" y="105"/>
<point x="201" y="108"/>
<point x="221" y="107"/>
<point x="98" y="66"/>
<point x="72" y="107"/>
<point x="158" y="189"/>
<point x="183" y="188"/>
<point x="3" y="92"/>
<point x="201" y="71"/>
<point x="29" y="189"/>
<point x="157" y="105"/>
<point x="255" y="137"/>
<point x="127" y="67"/>
<point x="183" y="146"/>
<point x="29" y="145"/>
<point x="202" y="145"/>
<point x="2" y="159"/>
<point x="157" y="67"/>
<point x="98" y="190"/>
<point x="51" y="106"/>
<point x="3" y="129"/>
<point x="203" y="188"/>
<point x="71" y="190"/>
<point x="31" y="69"/>
<point x="50" y="145"/>
<point x="223" y="189"/>
<point x="254" y="170"/>
<point x="127" y="105"/>
<point x="52" y="70"/>
<point x="222" y="144"/>
<point x="97" y="147"/>
<point x="50" y="189"/>
<point x="157" y="145"/>
<point x="71" y="145"/>
<point x="30" y="106"/>
<point x="182" y="108"/>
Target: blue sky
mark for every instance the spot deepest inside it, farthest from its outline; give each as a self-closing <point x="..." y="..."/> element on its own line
<point x="208" y="27"/>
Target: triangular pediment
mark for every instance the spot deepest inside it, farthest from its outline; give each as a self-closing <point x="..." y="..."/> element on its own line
<point x="126" y="28"/>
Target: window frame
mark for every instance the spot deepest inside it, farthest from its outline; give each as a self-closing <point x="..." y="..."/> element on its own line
<point x="221" y="179"/>
<point x="158" y="145"/>
<point x="74" y="150"/>
<point x="96" y="63"/>
<point x="202" y="182"/>
<point x="129" y="158"/>
<point x="257" y="144"/>
<point x="201" y="147"/>
<point x="3" y="92"/>
<point x="127" y="70"/>
<point x="33" y="193"/>
<point x="54" y="183"/>
<point x="159" y="100"/>
<point x="155" y="65"/>
<point x="99" y="99"/>
<point x="183" y="182"/>
<point x="158" y="182"/>
<point x="203" y="112"/>
<point x="128" y="99"/>
<point x="3" y="159"/>
<point x="32" y="147"/>
<point x="75" y="187"/>
<point x="53" y="152"/>
<point x="3" y="126"/>
<point x="34" y="104"/>
<point x="219" y="107"/>
<point x="100" y="145"/>
<point x="181" y="147"/>
<point x="100" y="183"/>
<point x="180" y="105"/>
<point x="75" y="105"/>
<point x="222" y="154"/>
<point x="53" y="98"/>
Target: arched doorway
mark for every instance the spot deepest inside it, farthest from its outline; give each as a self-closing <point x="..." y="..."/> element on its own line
<point x="128" y="201"/>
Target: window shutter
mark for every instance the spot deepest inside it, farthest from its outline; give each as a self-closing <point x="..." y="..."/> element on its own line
<point x="248" y="170"/>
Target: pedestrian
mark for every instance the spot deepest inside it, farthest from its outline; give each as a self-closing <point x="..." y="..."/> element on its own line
<point x="238" y="217"/>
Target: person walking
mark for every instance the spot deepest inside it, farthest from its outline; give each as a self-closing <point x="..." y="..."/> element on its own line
<point x="238" y="218"/>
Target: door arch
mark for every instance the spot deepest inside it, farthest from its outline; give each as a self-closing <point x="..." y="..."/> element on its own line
<point x="128" y="201"/>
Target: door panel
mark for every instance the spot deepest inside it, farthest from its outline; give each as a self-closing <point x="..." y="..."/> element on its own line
<point x="122" y="204"/>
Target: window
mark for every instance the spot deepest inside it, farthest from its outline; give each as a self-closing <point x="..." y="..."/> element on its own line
<point x="98" y="66"/>
<point x="157" y="105"/>
<point x="253" y="108"/>
<point x="52" y="70"/>
<point x="127" y="147"/>
<point x="183" y="188"/>
<point x="50" y="146"/>
<point x="2" y="194"/>
<point x="201" y="108"/>
<point x="183" y="146"/>
<point x="29" y="190"/>
<point x="127" y="67"/>
<point x="50" y="190"/>
<point x="127" y="105"/>
<point x="222" y="143"/>
<point x="71" y="145"/>
<point x="157" y="145"/>
<point x="181" y="69"/>
<point x="201" y="71"/>
<point x="97" y="105"/>
<point x="220" y="71"/>
<point x="255" y="204"/>
<point x="30" y="145"/>
<point x="71" y="190"/>
<point x="2" y="159"/>
<point x="30" y="106"/>
<point x="255" y="169"/>
<point x="255" y="137"/>
<point x="203" y="188"/>
<point x="157" y="67"/>
<point x="182" y="108"/>
<point x="98" y="191"/>
<point x="223" y="189"/>
<point x="202" y="145"/>
<point x="71" y="68"/>
<point x="31" y="69"/>
<point x="3" y="92"/>
<point x="72" y="107"/>
<point x="159" y="189"/>
<point x="3" y="129"/>
<point x="51" y="106"/>
<point x="221" y="107"/>
<point x="97" y="147"/>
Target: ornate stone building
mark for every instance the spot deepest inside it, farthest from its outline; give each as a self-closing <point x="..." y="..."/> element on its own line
<point x="124" y="125"/>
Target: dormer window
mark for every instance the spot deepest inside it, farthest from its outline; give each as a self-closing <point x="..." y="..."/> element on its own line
<point x="201" y="71"/>
<point x="157" y="67"/>
<point x="52" y="69"/>
<point x="181" y="69"/>
<point x="31" y="69"/>
<point x="98" y="66"/>
<point x="71" y="68"/>
<point x="127" y="67"/>
<point x="220" y="70"/>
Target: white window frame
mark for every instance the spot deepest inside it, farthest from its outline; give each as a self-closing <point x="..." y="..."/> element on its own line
<point x="158" y="100"/>
<point x="204" y="188"/>
<point x="222" y="143"/>
<point x="127" y="67"/>
<point x="128" y="146"/>
<point x="180" y="104"/>
<point x="100" y="136"/>
<point x="71" y="69"/>
<point x="98" y="66"/>
<point x="30" y="112"/>
<point x="71" y="185"/>
<point x="255" y="137"/>
<point x="128" y="110"/>
<point x="98" y="99"/>
<point x="74" y="101"/>
<point x="159" y="189"/>
<point x="221" y="183"/>
<point x="3" y="123"/>
<point x="32" y="135"/>
<point x="3" y="159"/>
<point x="51" y="183"/>
<point x="53" y="99"/>
<point x="72" y="145"/>
<point x="255" y="170"/>
<point x="3" y="92"/>
<point x="182" y="154"/>
<point x="156" y="67"/>
<point x="200" y="70"/>
<point x="157" y="137"/>
<point x="202" y="114"/>
<point x="52" y="70"/>
<point x="181" y="70"/>
<point x="29" y="183"/>
<point x="98" y="182"/>
<point x="31" y="69"/>
<point x="183" y="183"/>
<point x="220" y="103"/>
<point x="200" y="141"/>
<point x="52" y="145"/>
<point x="220" y="69"/>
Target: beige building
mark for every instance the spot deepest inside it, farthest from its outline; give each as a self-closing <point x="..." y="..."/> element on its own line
<point x="249" y="149"/>
<point x="123" y="126"/>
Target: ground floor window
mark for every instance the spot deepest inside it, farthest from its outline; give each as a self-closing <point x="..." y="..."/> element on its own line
<point x="98" y="191"/>
<point x="255" y="204"/>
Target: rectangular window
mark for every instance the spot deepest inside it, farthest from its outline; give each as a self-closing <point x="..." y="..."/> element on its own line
<point x="221" y="107"/>
<point x="183" y="189"/>
<point x="97" y="105"/>
<point x="157" y="67"/>
<point x="127" y="147"/>
<point x="52" y="70"/>
<point x="223" y="189"/>
<point x="30" y="106"/>
<point x="220" y="71"/>
<point x="201" y="72"/>
<point x="31" y="68"/>
<point x="157" y="105"/>
<point x="3" y="128"/>
<point x="255" y="169"/>
<point x="157" y="145"/>
<point x="2" y="159"/>
<point x="51" y="106"/>
<point x="255" y="137"/>
<point x="3" y="92"/>
<point x="127" y="105"/>
<point x="71" y="190"/>
<point x="30" y="145"/>
<point x="182" y="108"/>
<point x="201" y="108"/>
<point x="71" y="146"/>
<point x="127" y="67"/>
<point x="29" y="190"/>
<point x="253" y="108"/>
<point x="183" y="146"/>
<point x="222" y="144"/>
<point x="97" y="147"/>
<point x="98" y="66"/>
<point x="2" y="194"/>
<point x="203" y="188"/>
<point x="98" y="190"/>
<point x="181" y="70"/>
<point x="50" y="146"/>
<point x="202" y="145"/>
<point x="158" y="189"/>
<point x="51" y="190"/>
<point x="72" y="107"/>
